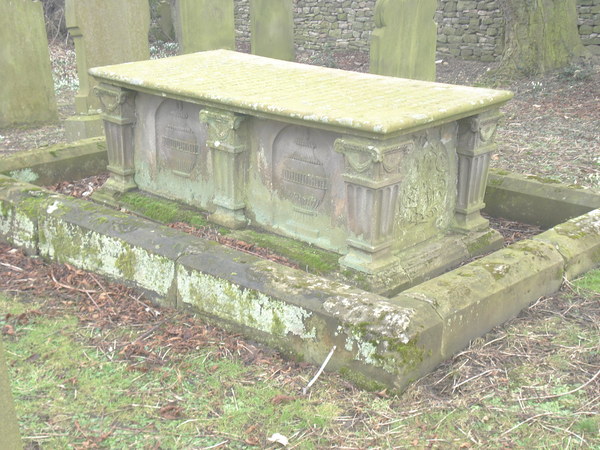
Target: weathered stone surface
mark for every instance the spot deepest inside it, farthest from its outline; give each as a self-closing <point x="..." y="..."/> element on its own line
<point x="474" y="298"/>
<point x="578" y="241"/>
<point x="61" y="162"/>
<point x="377" y="342"/>
<point x="105" y="32"/>
<point x="83" y="127"/>
<point x="113" y="243"/>
<point x="165" y="19"/>
<point x="297" y="93"/>
<point x="536" y="200"/>
<point x="272" y="29"/>
<point x="10" y="438"/>
<point x="204" y="25"/>
<point x="20" y="205"/>
<point x="404" y="39"/>
<point x="26" y="89"/>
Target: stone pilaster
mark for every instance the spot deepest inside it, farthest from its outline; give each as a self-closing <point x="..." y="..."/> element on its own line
<point x="474" y="148"/>
<point x="372" y="177"/>
<point x="227" y="141"/>
<point x="118" y="114"/>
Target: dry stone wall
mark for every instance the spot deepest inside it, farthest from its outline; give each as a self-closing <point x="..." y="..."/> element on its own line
<point x="470" y="29"/>
<point x="589" y="24"/>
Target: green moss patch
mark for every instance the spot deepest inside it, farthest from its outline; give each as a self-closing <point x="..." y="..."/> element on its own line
<point x="308" y="257"/>
<point x="162" y="210"/>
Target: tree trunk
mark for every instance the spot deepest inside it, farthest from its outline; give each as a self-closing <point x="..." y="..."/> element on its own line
<point x="541" y="35"/>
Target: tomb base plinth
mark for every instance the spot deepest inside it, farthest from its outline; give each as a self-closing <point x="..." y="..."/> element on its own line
<point x="422" y="262"/>
<point x="83" y="126"/>
<point x="234" y="219"/>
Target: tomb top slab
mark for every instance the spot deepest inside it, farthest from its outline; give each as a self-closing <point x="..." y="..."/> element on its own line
<point x="329" y="98"/>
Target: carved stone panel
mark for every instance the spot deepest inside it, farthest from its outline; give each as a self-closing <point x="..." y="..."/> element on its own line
<point x="180" y="138"/>
<point x="301" y="168"/>
<point x="426" y="197"/>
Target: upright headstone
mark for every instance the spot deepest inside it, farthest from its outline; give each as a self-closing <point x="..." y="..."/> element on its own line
<point x="105" y="32"/>
<point x="203" y="25"/>
<point x="26" y="86"/>
<point x="10" y="437"/>
<point x="403" y="42"/>
<point x="272" y="28"/>
<point x="165" y="19"/>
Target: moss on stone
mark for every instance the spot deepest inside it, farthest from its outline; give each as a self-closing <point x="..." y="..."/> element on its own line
<point x="480" y="245"/>
<point x="31" y="205"/>
<point x="162" y="210"/>
<point x="308" y="257"/>
<point x="543" y="179"/>
<point x="126" y="262"/>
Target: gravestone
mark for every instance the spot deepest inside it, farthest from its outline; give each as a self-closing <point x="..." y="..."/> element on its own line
<point x="165" y="19"/>
<point x="272" y="29"/>
<point x="203" y="25"/>
<point x="404" y="39"/>
<point x="26" y="87"/>
<point x="104" y="32"/>
<point x="10" y="437"/>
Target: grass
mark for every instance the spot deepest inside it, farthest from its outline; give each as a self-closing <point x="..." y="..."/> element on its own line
<point x="532" y="383"/>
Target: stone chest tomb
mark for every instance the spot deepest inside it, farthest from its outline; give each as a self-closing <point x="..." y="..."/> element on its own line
<point x="387" y="172"/>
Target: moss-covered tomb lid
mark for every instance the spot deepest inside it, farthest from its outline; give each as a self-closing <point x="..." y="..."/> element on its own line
<point x="330" y="97"/>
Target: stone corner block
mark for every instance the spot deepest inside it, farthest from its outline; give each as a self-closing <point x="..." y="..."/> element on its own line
<point x="577" y="241"/>
<point x="476" y="297"/>
<point x="21" y="205"/>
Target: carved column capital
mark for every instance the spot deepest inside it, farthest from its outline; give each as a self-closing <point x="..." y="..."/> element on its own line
<point x="476" y="133"/>
<point x="117" y="104"/>
<point x="370" y="162"/>
<point x="118" y="113"/>
<point x="223" y="130"/>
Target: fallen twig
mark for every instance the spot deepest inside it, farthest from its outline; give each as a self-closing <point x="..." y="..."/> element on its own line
<point x="71" y="288"/>
<point x="318" y="374"/>
<point x="10" y="266"/>
<point x="572" y="391"/>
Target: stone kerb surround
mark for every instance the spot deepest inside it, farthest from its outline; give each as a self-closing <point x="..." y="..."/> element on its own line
<point x="381" y="126"/>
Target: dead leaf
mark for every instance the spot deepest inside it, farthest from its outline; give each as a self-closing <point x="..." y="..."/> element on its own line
<point x="171" y="411"/>
<point x="282" y="399"/>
